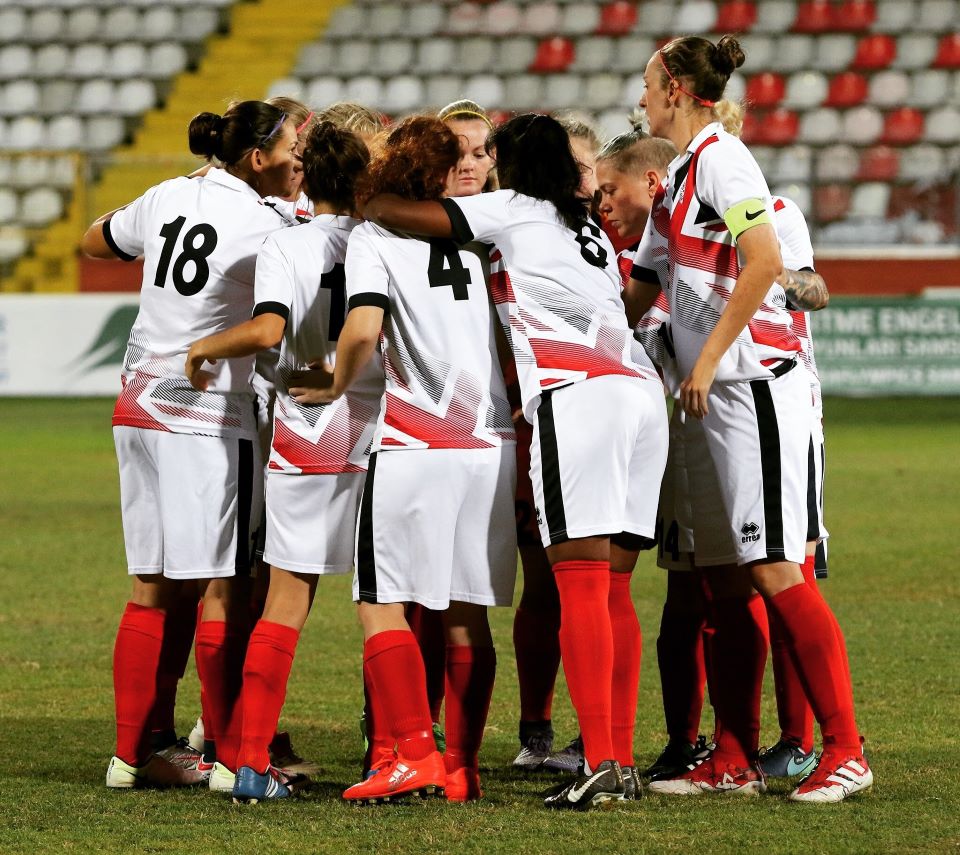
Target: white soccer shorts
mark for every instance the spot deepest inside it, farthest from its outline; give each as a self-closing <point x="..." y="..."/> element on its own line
<point x="311" y="521"/>
<point x="437" y="525"/>
<point x="757" y="438"/>
<point x="816" y="467"/>
<point x="190" y="503"/>
<point x="597" y="458"/>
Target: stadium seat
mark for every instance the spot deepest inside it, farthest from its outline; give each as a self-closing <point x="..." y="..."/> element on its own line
<point x="500" y="18"/>
<point x="879" y="163"/>
<point x="562" y="92"/>
<point x="798" y="193"/>
<point x="40" y="206"/>
<point x="315" y="58"/>
<point x="779" y="127"/>
<point x="854" y="16"/>
<point x="348" y="21"/>
<point x="869" y="201"/>
<point x="442" y="89"/>
<point x="875" y="51"/>
<point x="948" y="52"/>
<point x="603" y="91"/>
<point x="929" y="88"/>
<point x="903" y="126"/>
<point x="95" y="97"/>
<point x="846" y="90"/>
<point x="630" y="53"/>
<point x="894" y="16"/>
<point x="522" y="92"/>
<point x="14" y="24"/>
<point x="819" y="126"/>
<point x="82" y="25"/>
<point x="20" y="98"/>
<point x="936" y="16"/>
<point x="436" y="55"/>
<point x="613" y="122"/>
<point x="166" y="60"/>
<point x="120" y="24"/>
<point x="425" y="19"/>
<point x="46" y="25"/>
<point x="13" y="242"/>
<point x="579" y="19"/>
<point x="656" y="18"/>
<point x="64" y="133"/>
<point x="834" y="52"/>
<point x="477" y="55"/>
<point x="617" y="18"/>
<point x="736" y="87"/>
<point x="29" y="171"/>
<point x="57" y="96"/>
<point x="364" y="89"/>
<point x="402" y="93"/>
<point x="775" y="16"/>
<point x="759" y="48"/>
<point x="482" y="88"/>
<point x="813" y="16"/>
<point x="514" y="54"/>
<point x="8" y="205"/>
<point x="889" y="88"/>
<point x="736" y="16"/>
<point x="127" y="60"/>
<point x="915" y="50"/>
<point x="288" y="87"/>
<point x="792" y="165"/>
<point x="50" y="61"/>
<point x="159" y="24"/>
<point x="63" y="170"/>
<point x="765" y="157"/>
<point x="943" y="125"/>
<point x="324" y="90"/>
<point x="831" y="202"/>
<point x="862" y="125"/>
<point x="393" y="56"/>
<point x="539" y="19"/>
<point x="924" y="162"/>
<point x="553" y="55"/>
<point x="765" y="90"/>
<point x="695" y="16"/>
<point x="25" y="133"/>
<point x="805" y="90"/>
<point x="594" y="53"/>
<point x="386" y="20"/>
<point x="89" y="60"/>
<point x="135" y="97"/>
<point x="838" y="162"/>
<point x="16" y="61"/>
<point x="792" y="52"/>
<point x="354" y="56"/>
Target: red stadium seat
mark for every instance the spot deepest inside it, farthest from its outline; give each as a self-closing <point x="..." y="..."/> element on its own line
<point x="751" y="128"/>
<point x="875" y="51"/>
<point x="879" y="163"/>
<point x="814" y="16"/>
<point x="553" y="55"/>
<point x="736" y="16"/>
<point x="779" y="127"/>
<point x="765" y="90"/>
<point x="831" y="202"/>
<point x="948" y="52"/>
<point x="854" y="16"/>
<point x="903" y="126"/>
<point x="847" y="90"/>
<point x="617" y="18"/>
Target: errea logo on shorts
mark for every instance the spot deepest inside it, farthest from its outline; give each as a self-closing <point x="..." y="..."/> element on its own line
<point x="539" y="516"/>
<point x="750" y="532"/>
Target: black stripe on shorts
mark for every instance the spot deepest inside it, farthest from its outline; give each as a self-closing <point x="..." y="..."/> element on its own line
<point x="245" y="549"/>
<point x="813" y="508"/>
<point x="770" y="468"/>
<point x="550" y="467"/>
<point x="366" y="566"/>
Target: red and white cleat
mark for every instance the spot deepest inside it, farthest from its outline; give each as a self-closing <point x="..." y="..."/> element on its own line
<point x="463" y="785"/>
<point x="712" y="776"/>
<point x="834" y="778"/>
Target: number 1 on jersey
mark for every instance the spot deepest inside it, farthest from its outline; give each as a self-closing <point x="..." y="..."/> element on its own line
<point x="445" y="268"/>
<point x="336" y="281"/>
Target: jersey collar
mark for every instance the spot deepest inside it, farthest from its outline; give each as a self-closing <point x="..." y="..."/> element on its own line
<point x="338" y="221"/>
<point x="221" y="176"/>
<point x="709" y="130"/>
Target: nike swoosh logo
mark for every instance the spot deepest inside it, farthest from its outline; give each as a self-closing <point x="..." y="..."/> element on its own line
<point x="576" y="792"/>
<point x="753" y="215"/>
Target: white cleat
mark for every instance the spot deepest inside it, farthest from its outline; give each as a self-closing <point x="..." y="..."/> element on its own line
<point x="833" y="782"/>
<point x="222" y="779"/>
<point x="123" y="776"/>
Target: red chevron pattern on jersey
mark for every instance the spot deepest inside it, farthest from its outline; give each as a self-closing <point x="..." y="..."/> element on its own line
<point x="127" y="412"/>
<point x="330" y="452"/>
<point x="604" y="359"/>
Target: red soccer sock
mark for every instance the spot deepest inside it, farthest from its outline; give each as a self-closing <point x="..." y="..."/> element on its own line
<point x="470" y="675"/>
<point x="793" y="710"/>
<point x="136" y="656"/>
<point x="380" y="742"/>
<point x="427" y="627"/>
<point x="536" y="643"/>
<point x="266" y="670"/>
<point x="739" y="655"/>
<point x="397" y="676"/>
<point x="219" y="650"/>
<point x="682" y="672"/>
<point x="808" y="568"/>
<point x="626" y="667"/>
<point x="586" y="644"/>
<point x="178" y="629"/>
<point x="818" y="654"/>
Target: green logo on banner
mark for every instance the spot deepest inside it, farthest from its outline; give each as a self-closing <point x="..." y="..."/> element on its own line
<point x="111" y="342"/>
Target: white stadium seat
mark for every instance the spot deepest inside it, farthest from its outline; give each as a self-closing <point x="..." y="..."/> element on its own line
<point x="315" y="58"/>
<point x="82" y="24"/>
<point x="51" y="61"/>
<point x="485" y="89"/>
<point x="523" y="92"/>
<point x="923" y="162"/>
<point x="46" y="25"/>
<point x="364" y="89"/>
<point x="198" y="22"/>
<point x="862" y="125"/>
<point x="793" y="164"/>
<point x="694" y="16"/>
<point x="464" y="18"/>
<point x="166" y="60"/>
<point x="759" y="48"/>
<point x="655" y="18"/>
<point x="346" y="22"/>
<point x="287" y="87"/>
<point x="929" y="88"/>
<point x="869" y="200"/>
<point x="57" y="96"/>
<point x="477" y="55"/>
<point x="579" y="19"/>
<point x="9" y="205"/>
<point x="135" y="97"/>
<point x="603" y="91"/>
<point x="386" y="20"/>
<point x="16" y="61"/>
<point x="425" y="19"/>
<point x="937" y="16"/>
<point x="30" y="171"/>
<point x="20" y="98"/>
<point x="540" y="19"/>
<point x="915" y="50"/>
<point x="443" y="89"/>
<point x="805" y="90"/>
<point x="562" y="91"/>
<point x="889" y="88"/>
<point x="837" y="163"/>
<point x="127" y="60"/>
<point x="354" y="56"/>
<point x="95" y="97"/>
<point x="89" y="60"/>
<point x="765" y="157"/>
<point x="25" y="133"/>
<point x="736" y="87"/>
<point x="819" y="126"/>
<point x="630" y="53"/>
<point x="594" y="53"/>
<point x="894" y="16"/>
<point x="775" y="16"/>
<point x="514" y="54"/>
<point x="393" y="56"/>
<point x="13" y="23"/>
<point x="792" y="52"/>
<point x="120" y="24"/>
<point x="943" y="125"/>
<point x="65" y="132"/>
<point x="402" y="94"/>
<point x="834" y="52"/>
<point x="613" y="122"/>
<point x="159" y="24"/>
<point x="436" y="55"/>
<point x="13" y="243"/>
<point x="104" y="132"/>
<point x="324" y="90"/>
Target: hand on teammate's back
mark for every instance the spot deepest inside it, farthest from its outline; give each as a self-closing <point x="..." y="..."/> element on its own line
<point x="314" y="386"/>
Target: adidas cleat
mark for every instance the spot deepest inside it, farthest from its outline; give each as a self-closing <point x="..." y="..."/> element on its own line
<point x="250" y="787"/>
<point x="399" y="780"/>
<point x="590" y="790"/>
<point x="632" y="786"/>
<point x="123" y="776"/>
<point x="833" y="781"/>
<point x="785" y="760"/>
<point x="221" y="779"/>
<point x="710" y="776"/>
<point x="284" y="758"/>
<point x="567" y="759"/>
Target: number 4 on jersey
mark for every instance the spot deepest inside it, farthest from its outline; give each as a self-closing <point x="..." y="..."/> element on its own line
<point x="445" y="268"/>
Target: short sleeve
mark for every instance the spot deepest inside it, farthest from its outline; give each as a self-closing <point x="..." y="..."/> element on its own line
<point x="794" y="235"/>
<point x="127" y="230"/>
<point x="367" y="278"/>
<point x="727" y="176"/>
<point x="274" y="282"/>
<point x="482" y="217"/>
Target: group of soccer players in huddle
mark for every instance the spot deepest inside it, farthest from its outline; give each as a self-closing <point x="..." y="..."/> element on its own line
<point x="406" y="351"/>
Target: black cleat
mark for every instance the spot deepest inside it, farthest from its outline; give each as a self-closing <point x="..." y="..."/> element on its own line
<point x="590" y="790"/>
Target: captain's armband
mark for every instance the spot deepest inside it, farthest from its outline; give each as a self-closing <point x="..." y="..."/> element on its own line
<point x="745" y="215"/>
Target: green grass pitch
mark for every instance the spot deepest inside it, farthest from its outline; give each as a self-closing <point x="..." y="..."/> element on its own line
<point x="893" y="508"/>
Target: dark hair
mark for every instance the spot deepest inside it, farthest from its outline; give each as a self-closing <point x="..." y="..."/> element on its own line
<point x="333" y="159"/>
<point x="246" y="125"/>
<point x="412" y="160"/>
<point x="704" y="65"/>
<point x="534" y="158"/>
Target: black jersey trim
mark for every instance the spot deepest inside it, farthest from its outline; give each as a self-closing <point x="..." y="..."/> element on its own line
<point x="369" y="298"/>
<point x="108" y="237"/>
<point x="644" y="274"/>
<point x="245" y="548"/>
<point x="271" y="307"/>
<point x="770" y="468"/>
<point x="461" y="231"/>
<point x="550" y="459"/>
<point x="366" y="564"/>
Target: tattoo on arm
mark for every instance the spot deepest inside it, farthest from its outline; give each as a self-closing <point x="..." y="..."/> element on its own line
<point x="805" y="290"/>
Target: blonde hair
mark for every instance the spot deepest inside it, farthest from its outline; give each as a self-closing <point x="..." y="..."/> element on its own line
<point x="579" y="126"/>
<point x="464" y="110"/>
<point x="349" y="116"/>
<point x="298" y="112"/>
<point x="635" y="152"/>
<point x="730" y="115"/>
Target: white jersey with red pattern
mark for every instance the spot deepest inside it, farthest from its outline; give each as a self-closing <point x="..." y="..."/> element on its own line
<point x="795" y="240"/>
<point x="294" y="211"/>
<point x="444" y="387"/>
<point x="714" y="174"/>
<point x="300" y="276"/>
<point x="199" y="238"/>
<point x="561" y="296"/>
